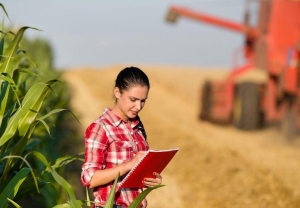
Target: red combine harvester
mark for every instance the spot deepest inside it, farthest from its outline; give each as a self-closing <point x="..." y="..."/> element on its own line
<point x="266" y="88"/>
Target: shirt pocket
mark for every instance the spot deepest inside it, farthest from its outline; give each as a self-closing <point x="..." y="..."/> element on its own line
<point x="124" y="151"/>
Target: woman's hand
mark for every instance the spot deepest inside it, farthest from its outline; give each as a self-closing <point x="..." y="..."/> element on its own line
<point x="137" y="157"/>
<point x="150" y="182"/>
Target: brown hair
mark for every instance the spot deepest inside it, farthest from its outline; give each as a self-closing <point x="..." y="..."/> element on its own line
<point x="131" y="76"/>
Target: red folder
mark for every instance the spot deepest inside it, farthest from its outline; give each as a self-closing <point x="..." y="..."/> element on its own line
<point x="152" y="161"/>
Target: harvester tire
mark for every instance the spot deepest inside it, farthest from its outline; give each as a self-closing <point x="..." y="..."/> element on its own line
<point x="206" y="102"/>
<point x="247" y="114"/>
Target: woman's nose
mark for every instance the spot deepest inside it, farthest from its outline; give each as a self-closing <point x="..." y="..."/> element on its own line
<point x="139" y="105"/>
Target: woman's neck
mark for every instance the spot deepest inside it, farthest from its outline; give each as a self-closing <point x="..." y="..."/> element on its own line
<point x="119" y="113"/>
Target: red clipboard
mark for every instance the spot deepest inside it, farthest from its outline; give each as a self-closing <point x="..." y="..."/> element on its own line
<point x="152" y="161"/>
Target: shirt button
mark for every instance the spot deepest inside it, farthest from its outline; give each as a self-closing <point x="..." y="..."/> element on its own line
<point x="136" y="142"/>
<point x="131" y="132"/>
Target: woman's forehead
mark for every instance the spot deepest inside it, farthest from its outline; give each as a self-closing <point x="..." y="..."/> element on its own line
<point x="137" y="91"/>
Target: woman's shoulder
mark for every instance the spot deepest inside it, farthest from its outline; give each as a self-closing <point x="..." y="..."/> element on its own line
<point x="97" y="127"/>
<point x="101" y="123"/>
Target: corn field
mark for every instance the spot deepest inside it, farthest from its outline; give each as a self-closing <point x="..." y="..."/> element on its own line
<point x="21" y="122"/>
<point x="30" y="107"/>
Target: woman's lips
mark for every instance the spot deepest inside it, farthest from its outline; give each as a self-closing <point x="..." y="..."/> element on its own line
<point x="134" y="113"/>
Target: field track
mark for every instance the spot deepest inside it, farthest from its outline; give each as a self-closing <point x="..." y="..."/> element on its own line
<point x="217" y="166"/>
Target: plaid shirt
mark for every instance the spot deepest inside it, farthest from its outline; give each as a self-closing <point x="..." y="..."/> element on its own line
<point x="110" y="141"/>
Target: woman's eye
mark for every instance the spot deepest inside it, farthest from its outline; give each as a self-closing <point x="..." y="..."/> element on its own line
<point x="133" y="100"/>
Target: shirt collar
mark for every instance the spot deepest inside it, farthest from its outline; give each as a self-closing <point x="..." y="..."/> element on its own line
<point x="116" y="120"/>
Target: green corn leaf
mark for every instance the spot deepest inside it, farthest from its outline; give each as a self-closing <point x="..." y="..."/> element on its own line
<point x="28" y="188"/>
<point x="2" y="47"/>
<point x="4" y="10"/>
<point x="111" y="197"/>
<point x="31" y="170"/>
<point x="2" y="26"/>
<point x="88" y="203"/>
<point x="12" y="187"/>
<point x="12" y="49"/>
<point x="60" y="180"/>
<point x="12" y="33"/>
<point x="136" y="202"/>
<point x="14" y="203"/>
<point x="29" y="116"/>
<point x="62" y="161"/>
<point x="26" y="55"/>
<point x="3" y="100"/>
<point x="47" y="127"/>
<point x="24" y="117"/>
<point x="20" y="70"/>
<point x="67" y="205"/>
<point x="38" y="156"/>
<point x="52" y="112"/>
<point x="67" y="187"/>
<point x="18" y="148"/>
<point x="57" y="111"/>
<point x="4" y="183"/>
<point x="9" y="150"/>
<point x="33" y="143"/>
<point x="21" y="145"/>
<point x="29" y="100"/>
<point x="3" y="121"/>
<point x="6" y="77"/>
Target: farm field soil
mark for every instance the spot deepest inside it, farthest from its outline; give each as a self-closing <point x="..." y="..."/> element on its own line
<point x="217" y="166"/>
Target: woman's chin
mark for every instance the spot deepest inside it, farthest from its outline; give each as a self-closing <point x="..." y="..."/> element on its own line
<point x="131" y="115"/>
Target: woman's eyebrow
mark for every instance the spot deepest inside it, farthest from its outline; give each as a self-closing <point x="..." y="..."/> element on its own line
<point x="138" y="98"/>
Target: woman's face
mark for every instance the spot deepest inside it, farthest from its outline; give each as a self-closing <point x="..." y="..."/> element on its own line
<point x="131" y="101"/>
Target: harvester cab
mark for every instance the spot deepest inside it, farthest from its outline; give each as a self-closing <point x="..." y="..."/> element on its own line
<point x="265" y="88"/>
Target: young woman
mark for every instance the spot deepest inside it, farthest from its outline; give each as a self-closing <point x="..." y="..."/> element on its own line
<point x="116" y="141"/>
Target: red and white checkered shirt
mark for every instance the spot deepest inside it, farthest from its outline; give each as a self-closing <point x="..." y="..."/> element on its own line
<point x="110" y="141"/>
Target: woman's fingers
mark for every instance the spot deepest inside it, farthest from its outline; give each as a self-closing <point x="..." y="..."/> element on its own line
<point x="157" y="175"/>
<point x="140" y="154"/>
<point x="150" y="182"/>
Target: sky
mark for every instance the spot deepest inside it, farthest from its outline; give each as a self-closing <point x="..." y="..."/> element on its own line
<point x="101" y="32"/>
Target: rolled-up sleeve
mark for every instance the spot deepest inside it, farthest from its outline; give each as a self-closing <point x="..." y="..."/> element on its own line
<point x="96" y="143"/>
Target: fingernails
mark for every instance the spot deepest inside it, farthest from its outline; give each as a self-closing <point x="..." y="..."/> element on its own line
<point x="154" y="173"/>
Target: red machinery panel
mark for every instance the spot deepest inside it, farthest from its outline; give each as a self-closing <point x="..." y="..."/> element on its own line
<point x="283" y="32"/>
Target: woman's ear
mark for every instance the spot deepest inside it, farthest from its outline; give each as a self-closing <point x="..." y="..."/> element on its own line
<point x="117" y="92"/>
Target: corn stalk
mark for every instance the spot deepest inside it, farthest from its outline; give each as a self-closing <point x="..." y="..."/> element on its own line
<point x="19" y="117"/>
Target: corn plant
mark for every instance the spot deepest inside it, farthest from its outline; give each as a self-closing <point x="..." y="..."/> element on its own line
<point x="110" y="199"/>
<point x="64" y="138"/>
<point x="19" y="117"/>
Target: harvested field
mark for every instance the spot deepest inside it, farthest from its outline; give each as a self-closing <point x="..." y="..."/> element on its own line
<point x="217" y="166"/>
